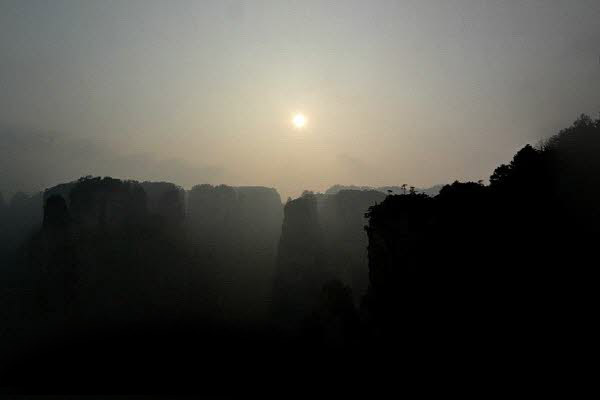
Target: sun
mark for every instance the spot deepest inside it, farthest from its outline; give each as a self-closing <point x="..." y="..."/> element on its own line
<point x="299" y="121"/>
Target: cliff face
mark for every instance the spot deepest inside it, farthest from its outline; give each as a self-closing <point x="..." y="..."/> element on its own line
<point x="112" y="250"/>
<point x="20" y="219"/>
<point x="102" y="256"/>
<point x="234" y="231"/>
<point x="343" y="219"/>
<point x="235" y="247"/>
<point x="234" y="244"/>
<point x="244" y="218"/>
<point x="63" y="190"/>
<point x="258" y="229"/>
<point x="107" y="203"/>
<point x="300" y="262"/>
<point x="322" y="239"/>
<point x="231" y="216"/>
<point x="95" y="202"/>
<point x="137" y="249"/>
<point x="212" y="210"/>
<point x="261" y="215"/>
<point x="166" y="200"/>
<point x="400" y="249"/>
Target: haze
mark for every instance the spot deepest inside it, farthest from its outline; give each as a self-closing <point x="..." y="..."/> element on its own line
<point x="192" y="92"/>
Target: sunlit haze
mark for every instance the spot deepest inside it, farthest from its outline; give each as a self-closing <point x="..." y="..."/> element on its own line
<point x="299" y="121"/>
<point x="417" y="92"/>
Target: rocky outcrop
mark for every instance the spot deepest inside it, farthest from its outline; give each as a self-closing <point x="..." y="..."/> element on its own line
<point x="234" y="232"/>
<point x="322" y="239"/>
<point x="261" y="215"/>
<point x="300" y="262"/>
<point x="107" y="202"/>
<point x="343" y="219"/>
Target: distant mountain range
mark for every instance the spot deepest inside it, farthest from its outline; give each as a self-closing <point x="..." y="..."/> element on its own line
<point x="431" y="191"/>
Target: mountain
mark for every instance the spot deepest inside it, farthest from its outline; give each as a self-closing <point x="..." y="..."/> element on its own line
<point x="431" y="191"/>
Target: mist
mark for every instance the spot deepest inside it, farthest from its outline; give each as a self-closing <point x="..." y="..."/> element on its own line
<point x="298" y="198"/>
<point x="36" y="160"/>
<point x="384" y="85"/>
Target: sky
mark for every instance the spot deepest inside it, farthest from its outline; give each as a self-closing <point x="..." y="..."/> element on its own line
<point x="417" y="92"/>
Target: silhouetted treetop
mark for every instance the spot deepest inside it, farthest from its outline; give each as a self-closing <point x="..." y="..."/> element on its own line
<point x="417" y="203"/>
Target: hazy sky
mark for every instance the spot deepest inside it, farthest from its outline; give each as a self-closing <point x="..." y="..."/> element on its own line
<point x="418" y="92"/>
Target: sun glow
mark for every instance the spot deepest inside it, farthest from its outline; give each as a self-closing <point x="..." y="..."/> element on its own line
<point x="299" y="121"/>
